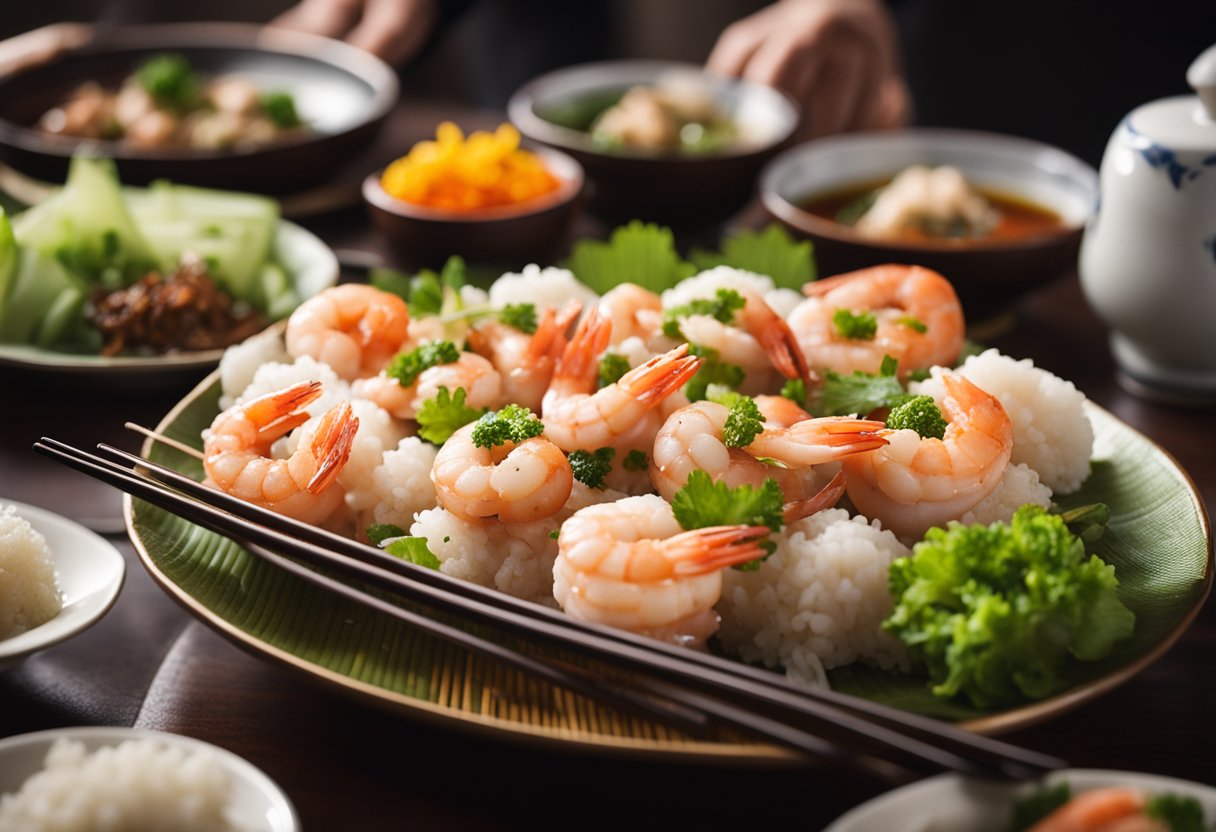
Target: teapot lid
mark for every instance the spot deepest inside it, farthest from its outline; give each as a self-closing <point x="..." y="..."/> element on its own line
<point x="1184" y="122"/>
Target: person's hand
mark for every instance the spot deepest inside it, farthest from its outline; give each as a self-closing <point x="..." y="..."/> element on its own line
<point x="392" y="29"/>
<point x="838" y="58"/>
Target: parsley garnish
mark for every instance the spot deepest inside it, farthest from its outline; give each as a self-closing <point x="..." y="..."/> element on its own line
<point x="522" y="316"/>
<point x="711" y="371"/>
<point x="702" y="502"/>
<point x="643" y="252"/>
<point x="280" y="108"/>
<point x="590" y="468"/>
<point x="377" y="533"/>
<point x="771" y="252"/>
<point x="443" y="415"/>
<point x="635" y="461"/>
<point x="795" y="390"/>
<point x="743" y="422"/>
<point x="612" y="367"/>
<point x="722" y="307"/>
<point x="513" y="423"/>
<point x="169" y="79"/>
<point x="860" y="392"/>
<point x="406" y="367"/>
<point x="414" y="550"/>
<point x="913" y="323"/>
<point x="860" y="327"/>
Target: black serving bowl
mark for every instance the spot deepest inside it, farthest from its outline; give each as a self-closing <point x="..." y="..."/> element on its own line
<point x="343" y="93"/>
<point x="988" y="275"/>
<point x="507" y="237"/>
<point x="677" y="189"/>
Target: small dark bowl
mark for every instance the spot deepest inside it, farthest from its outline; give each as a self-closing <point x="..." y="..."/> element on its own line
<point x="988" y="275"/>
<point x="343" y="93"/>
<point x="682" y="190"/>
<point x="509" y="237"/>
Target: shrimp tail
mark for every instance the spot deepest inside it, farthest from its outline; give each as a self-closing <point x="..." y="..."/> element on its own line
<point x="1094" y="810"/>
<point x="276" y="414"/>
<point x="701" y="551"/>
<point x="658" y="378"/>
<point x="549" y="340"/>
<point x="856" y="435"/>
<point x="779" y="342"/>
<point x="827" y="497"/>
<point x="580" y="358"/>
<point x="331" y="445"/>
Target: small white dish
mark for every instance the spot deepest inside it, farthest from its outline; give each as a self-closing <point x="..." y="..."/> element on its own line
<point x="90" y="572"/>
<point x="256" y="799"/>
<point x="951" y="803"/>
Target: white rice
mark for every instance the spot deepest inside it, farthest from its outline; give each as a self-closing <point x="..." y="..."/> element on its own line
<point x="1019" y="485"/>
<point x="275" y="376"/>
<point x="818" y="602"/>
<point x="241" y="361"/>
<point x="378" y="432"/>
<point x="707" y="283"/>
<point x="137" y="786"/>
<point x="515" y="558"/>
<point x="1051" y="432"/>
<point x="29" y="593"/>
<point x="400" y="485"/>
<point x="541" y="287"/>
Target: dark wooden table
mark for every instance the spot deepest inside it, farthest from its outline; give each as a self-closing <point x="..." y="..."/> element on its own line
<point x="148" y="663"/>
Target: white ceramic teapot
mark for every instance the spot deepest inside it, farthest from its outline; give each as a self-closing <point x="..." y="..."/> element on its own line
<point x="1148" y="255"/>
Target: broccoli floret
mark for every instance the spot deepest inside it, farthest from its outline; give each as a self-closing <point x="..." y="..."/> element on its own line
<point x="921" y="414"/>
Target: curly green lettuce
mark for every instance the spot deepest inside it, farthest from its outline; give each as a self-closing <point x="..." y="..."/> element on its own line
<point x="996" y="614"/>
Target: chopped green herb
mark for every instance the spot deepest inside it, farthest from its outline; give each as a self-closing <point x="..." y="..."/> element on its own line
<point x="1180" y="814"/>
<point x="770" y="252"/>
<point x="711" y="371"/>
<point x="377" y="533"/>
<point x="744" y="421"/>
<point x="860" y="327"/>
<point x="860" y="393"/>
<point x="169" y="79"/>
<point x="513" y="423"/>
<point x="921" y="414"/>
<point x="795" y="390"/>
<point x="590" y="468"/>
<point x="722" y="307"/>
<point x="702" y="502"/>
<point x="406" y="367"/>
<point x="414" y="550"/>
<point x="920" y="375"/>
<point x="913" y="323"/>
<point x="555" y="533"/>
<point x="612" y="367"/>
<point x="280" y="108"/>
<point x="522" y="316"/>
<point x="642" y="253"/>
<point x="444" y="414"/>
<point x="1087" y="522"/>
<point x="1029" y="810"/>
<point x="635" y="461"/>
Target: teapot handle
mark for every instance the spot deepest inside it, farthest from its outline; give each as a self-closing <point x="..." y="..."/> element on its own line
<point x="1202" y="78"/>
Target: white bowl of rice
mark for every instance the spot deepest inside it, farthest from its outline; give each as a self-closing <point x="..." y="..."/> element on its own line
<point x="56" y="579"/>
<point x="128" y="779"/>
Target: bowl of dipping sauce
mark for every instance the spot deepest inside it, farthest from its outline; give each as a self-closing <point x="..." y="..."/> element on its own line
<point x="997" y="215"/>
<point x="662" y="142"/>
<point x="483" y="197"/>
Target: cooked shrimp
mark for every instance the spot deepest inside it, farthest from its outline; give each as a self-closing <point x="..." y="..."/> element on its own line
<point x="691" y="439"/>
<point x="780" y="411"/>
<point x="576" y="415"/>
<point x="635" y="312"/>
<point x="154" y="129"/>
<point x="481" y="382"/>
<point x="903" y="299"/>
<point x="236" y="453"/>
<point x="756" y="340"/>
<point x="354" y="328"/>
<point x="914" y="483"/>
<point x="628" y="564"/>
<point x="1111" y="809"/>
<point x="517" y="483"/>
<point x="525" y="362"/>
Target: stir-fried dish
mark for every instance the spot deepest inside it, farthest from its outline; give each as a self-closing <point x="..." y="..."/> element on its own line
<point x="167" y="104"/>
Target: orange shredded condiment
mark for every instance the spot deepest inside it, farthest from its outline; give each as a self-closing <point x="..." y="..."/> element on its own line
<point x="459" y="174"/>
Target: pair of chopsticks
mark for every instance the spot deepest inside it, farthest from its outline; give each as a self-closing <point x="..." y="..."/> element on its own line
<point x="680" y="687"/>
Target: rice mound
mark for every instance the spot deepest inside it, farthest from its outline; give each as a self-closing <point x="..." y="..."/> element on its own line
<point x="400" y="485"/>
<point x="515" y="558"/>
<point x="29" y="593"/>
<point x="137" y="786"/>
<point x="546" y="287"/>
<point x="705" y="285"/>
<point x="276" y="376"/>
<point x="241" y="361"/>
<point x="818" y="601"/>
<point x="1051" y="432"/>
<point x="1019" y="485"/>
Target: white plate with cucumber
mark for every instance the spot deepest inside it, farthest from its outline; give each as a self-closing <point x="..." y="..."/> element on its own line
<point x="94" y="234"/>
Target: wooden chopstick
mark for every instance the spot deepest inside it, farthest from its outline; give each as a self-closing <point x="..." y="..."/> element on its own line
<point x="952" y="748"/>
<point x="779" y="693"/>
